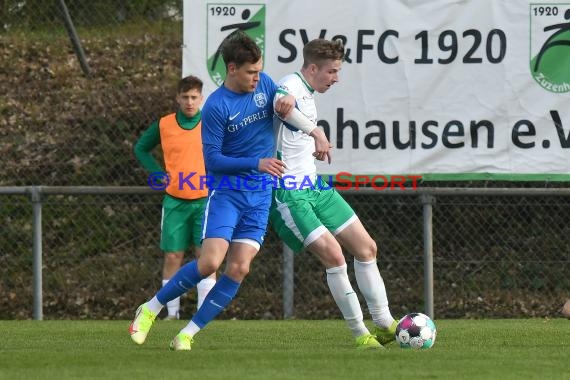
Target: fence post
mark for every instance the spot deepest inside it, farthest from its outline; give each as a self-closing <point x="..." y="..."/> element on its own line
<point x="75" y="42"/>
<point x="427" y="203"/>
<point x="37" y="252"/>
<point x="288" y="281"/>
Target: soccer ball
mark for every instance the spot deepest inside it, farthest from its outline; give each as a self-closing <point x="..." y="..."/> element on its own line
<point x="416" y="330"/>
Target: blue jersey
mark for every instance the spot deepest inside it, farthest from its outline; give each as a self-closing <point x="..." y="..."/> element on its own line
<point x="237" y="131"/>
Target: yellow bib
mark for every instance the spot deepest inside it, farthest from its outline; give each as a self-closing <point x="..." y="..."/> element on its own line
<point x="183" y="158"/>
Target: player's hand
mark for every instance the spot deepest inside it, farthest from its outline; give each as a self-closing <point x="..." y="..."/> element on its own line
<point x="322" y="145"/>
<point x="284" y="105"/>
<point x="272" y="166"/>
<point x="323" y="156"/>
<point x="162" y="178"/>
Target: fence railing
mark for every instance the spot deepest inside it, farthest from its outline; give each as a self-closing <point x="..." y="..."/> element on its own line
<point x="500" y="255"/>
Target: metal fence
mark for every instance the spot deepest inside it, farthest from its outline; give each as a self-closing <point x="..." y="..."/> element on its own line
<point x="452" y="252"/>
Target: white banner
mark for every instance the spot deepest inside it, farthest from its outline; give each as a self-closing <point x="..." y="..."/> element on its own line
<point x="472" y="89"/>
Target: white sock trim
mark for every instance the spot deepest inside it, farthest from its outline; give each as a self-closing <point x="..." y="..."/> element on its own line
<point x="154" y="305"/>
<point x="191" y="329"/>
<point x="364" y="263"/>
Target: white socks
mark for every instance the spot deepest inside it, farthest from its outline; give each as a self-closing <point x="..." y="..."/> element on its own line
<point x="371" y="285"/>
<point x="173" y="306"/>
<point x="190" y="329"/>
<point x="346" y="299"/>
<point x="204" y="288"/>
<point x="154" y="305"/>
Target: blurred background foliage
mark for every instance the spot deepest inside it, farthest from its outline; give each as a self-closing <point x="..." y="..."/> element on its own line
<point x="60" y="127"/>
<point x="40" y="14"/>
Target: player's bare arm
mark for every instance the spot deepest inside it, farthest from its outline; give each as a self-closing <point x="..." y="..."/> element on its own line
<point x="322" y="145"/>
<point x="284" y="105"/>
<point x="300" y="121"/>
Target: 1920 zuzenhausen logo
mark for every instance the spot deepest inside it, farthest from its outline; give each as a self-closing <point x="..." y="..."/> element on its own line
<point x="225" y="19"/>
<point x="550" y="46"/>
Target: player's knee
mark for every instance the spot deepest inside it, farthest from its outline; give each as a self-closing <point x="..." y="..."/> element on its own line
<point x="173" y="259"/>
<point x="237" y="270"/>
<point x="337" y="260"/>
<point x="330" y="257"/>
<point x="206" y="268"/>
<point x="368" y="251"/>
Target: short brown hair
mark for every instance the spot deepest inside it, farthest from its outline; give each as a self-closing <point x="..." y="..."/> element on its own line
<point x="239" y="48"/>
<point x="319" y="50"/>
<point x="189" y="83"/>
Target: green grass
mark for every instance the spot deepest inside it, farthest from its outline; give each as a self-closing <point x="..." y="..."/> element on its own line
<point x="465" y="349"/>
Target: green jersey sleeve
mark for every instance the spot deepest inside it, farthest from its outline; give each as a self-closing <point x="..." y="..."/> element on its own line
<point x="144" y="146"/>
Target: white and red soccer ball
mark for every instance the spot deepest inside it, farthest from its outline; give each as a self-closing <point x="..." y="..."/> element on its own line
<point x="416" y="331"/>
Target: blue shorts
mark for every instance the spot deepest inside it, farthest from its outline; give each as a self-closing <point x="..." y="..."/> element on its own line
<point x="232" y="214"/>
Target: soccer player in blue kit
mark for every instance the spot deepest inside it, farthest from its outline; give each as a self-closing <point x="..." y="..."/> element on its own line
<point x="238" y="141"/>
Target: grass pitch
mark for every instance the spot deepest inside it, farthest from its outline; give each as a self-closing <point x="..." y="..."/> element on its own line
<point x="274" y="350"/>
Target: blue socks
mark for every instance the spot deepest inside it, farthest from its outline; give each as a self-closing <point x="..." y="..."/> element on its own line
<point x="216" y="301"/>
<point x="185" y="279"/>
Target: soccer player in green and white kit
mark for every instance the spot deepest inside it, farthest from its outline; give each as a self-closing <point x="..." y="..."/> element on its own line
<point x="318" y="218"/>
